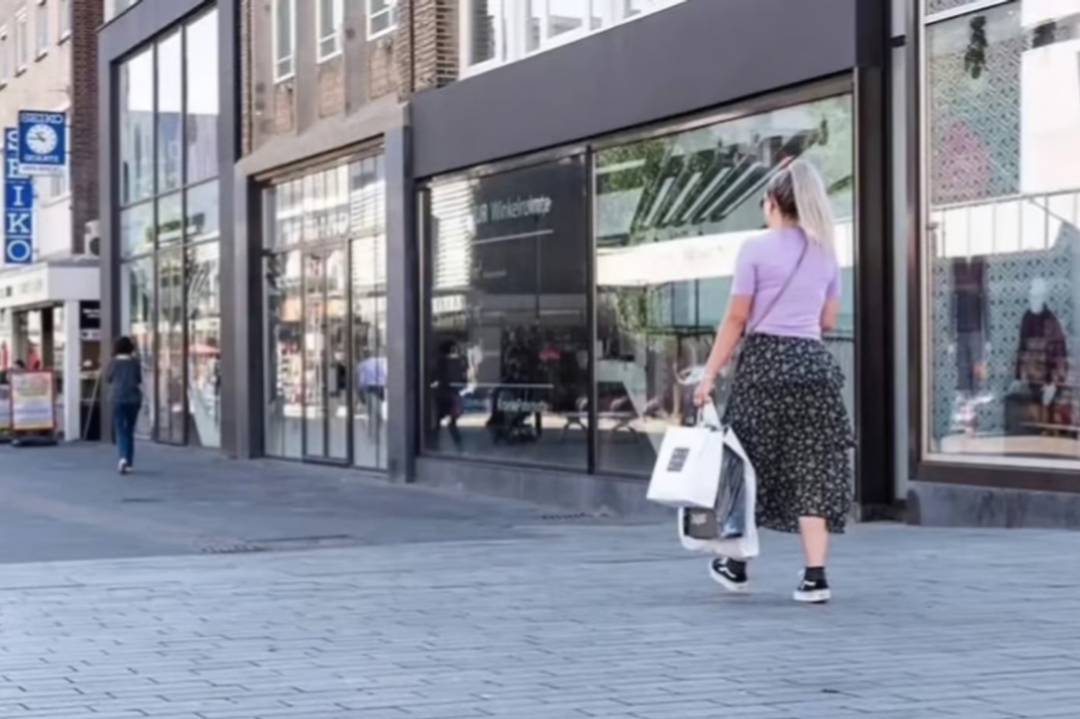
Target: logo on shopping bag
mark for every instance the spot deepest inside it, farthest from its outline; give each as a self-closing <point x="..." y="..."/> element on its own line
<point x="678" y="459"/>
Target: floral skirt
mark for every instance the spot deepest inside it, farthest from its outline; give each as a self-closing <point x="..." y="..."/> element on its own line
<point x="788" y="412"/>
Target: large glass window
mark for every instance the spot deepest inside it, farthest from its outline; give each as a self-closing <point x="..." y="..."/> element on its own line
<point x="671" y="215"/>
<point x="170" y="229"/>
<point x="170" y="116"/>
<point x="136" y="166"/>
<point x="325" y="302"/>
<point x="201" y="129"/>
<point x="511" y="337"/>
<point x="41" y="23"/>
<point x="1002" y="244"/>
<point x="507" y="347"/>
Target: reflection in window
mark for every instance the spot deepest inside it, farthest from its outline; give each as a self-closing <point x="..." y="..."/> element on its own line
<point x="325" y="304"/>
<point x="171" y="413"/>
<point x="204" y="343"/>
<point x="137" y="229"/>
<point x="507" y="348"/>
<point x="137" y="128"/>
<point x="203" y="213"/>
<point x="671" y="214"/>
<point x="137" y="320"/>
<point x="1003" y="245"/>
<point x="170" y="220"/>
<point x="202" y="98"/>
<point x="169" y="112"/>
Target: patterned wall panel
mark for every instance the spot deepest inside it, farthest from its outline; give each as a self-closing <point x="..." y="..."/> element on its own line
<point x="974" y="67"/>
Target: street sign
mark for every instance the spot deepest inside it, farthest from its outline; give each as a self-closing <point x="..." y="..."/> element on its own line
<point x="18" y="205"/>
<point x="42" y="142"/>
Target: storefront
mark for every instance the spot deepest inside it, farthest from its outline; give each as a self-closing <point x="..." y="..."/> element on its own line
<point x="995" y="342"/>
<point x="324" y="307"/>
<point x="576" y="256"/>
<point x="165" y="208"/>
<point x="49" y="318"/>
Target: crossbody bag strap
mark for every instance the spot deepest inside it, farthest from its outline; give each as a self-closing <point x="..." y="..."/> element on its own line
<point x="783" y="289"/>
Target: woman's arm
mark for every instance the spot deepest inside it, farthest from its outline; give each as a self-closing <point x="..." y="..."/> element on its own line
<point x="727" y="339"/>
<point x="830" y="316"/>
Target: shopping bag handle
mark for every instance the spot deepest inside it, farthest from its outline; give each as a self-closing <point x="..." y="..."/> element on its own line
<point x="707" y="416"/>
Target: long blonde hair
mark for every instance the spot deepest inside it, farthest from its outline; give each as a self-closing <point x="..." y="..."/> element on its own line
<point x="799" y="193"/>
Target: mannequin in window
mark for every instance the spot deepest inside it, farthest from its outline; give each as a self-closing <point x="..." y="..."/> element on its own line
<point x="1042" y="365"/>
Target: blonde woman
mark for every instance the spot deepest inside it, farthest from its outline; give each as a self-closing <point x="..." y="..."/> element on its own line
<point x="786" y="405"/>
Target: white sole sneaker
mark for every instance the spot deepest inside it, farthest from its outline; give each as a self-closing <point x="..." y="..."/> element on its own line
<point x="728" y="583"/>
<point x="816" y="596"/>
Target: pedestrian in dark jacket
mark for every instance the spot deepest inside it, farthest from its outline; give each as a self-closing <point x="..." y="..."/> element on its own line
<point x="125" y="381"/>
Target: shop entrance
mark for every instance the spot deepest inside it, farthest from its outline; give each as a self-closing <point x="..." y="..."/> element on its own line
<point x="325" y="357"/>
<point x="325" y="289"/>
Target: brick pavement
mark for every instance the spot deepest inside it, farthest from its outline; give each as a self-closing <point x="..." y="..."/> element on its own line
<point x="556" y="622"/>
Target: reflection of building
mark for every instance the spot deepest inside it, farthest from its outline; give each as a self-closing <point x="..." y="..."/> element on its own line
<point x="508" y="283"/>
<point x="48" y="310"/>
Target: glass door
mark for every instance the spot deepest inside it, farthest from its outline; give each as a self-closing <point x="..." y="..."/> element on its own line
<point x="326" y="374"/>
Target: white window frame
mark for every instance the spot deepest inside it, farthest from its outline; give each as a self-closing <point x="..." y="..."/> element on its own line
<point x="22" y="40"/>
<point x="5" y="56"/>
<point x="512" y="26"/>
<point x="392" y="9"/>
<point x="337" y="35"/>
<point x="465" y="39"/>
<point x="42" y="37"/>
<point x="65" y="19"/>
<point x="291" y="58"/>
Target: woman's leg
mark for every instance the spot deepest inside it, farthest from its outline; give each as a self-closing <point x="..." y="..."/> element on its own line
<point x="815" y="540"/>
<point x="133" y="418"/>
<point x="119" y="436"/>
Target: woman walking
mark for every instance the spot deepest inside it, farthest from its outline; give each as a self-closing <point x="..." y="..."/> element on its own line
<point x="125" y="379"/>
<point x="786" y="405"/>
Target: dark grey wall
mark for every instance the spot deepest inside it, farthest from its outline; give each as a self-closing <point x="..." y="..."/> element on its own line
<point x="697" y="55"/>
<point x="129" y="32"/>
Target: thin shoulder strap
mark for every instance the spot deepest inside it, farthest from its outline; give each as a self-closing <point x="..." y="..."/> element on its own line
<point x="783" y="289"/>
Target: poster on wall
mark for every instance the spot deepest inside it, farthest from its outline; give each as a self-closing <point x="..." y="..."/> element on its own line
<point x="33" y="408"/>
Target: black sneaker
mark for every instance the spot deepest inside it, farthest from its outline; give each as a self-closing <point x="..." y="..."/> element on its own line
<point x="812" y="591"/>
<point x="729" y="574"/>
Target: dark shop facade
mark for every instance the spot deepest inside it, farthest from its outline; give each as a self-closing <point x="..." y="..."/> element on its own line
<point x="485" y="244"/>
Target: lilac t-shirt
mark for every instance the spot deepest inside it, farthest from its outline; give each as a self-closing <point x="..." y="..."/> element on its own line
<point x="765" y="263"/>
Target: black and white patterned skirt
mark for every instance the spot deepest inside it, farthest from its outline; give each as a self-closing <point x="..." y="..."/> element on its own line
<point x="787" y="408"/>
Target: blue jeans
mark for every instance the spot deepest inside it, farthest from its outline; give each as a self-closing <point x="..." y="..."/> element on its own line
<point x="125" y="415"/>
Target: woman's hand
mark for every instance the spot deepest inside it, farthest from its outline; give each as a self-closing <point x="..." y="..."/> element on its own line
<point x="704" y="391"/>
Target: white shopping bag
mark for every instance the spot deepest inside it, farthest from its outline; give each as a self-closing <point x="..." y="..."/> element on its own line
<point x="687" y="470"/>
<point x="741" y="548"/>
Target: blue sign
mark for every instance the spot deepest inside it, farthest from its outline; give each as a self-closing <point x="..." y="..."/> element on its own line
<point x="18" y="205"/>
<point x="42" y="142"/>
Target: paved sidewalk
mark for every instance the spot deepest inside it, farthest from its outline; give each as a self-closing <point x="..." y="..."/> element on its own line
<point x="69" y="503"/>
<point x="560" y="622"/>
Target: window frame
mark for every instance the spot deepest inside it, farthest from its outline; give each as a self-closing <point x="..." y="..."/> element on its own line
<point x="42" y="36"/>
<point x="22" y="41"/>
<point x="277" y="59"/>
<point x="5" y="57"/>
<point x="65" y="20"/>
<point x="337" y="34"/>
<point x="511" y="29"/>
<point x="392" y="9"/>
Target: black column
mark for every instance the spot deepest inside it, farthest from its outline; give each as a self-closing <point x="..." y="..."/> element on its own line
<point x="875" y="490"/>
<point x="403" y="346"/>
